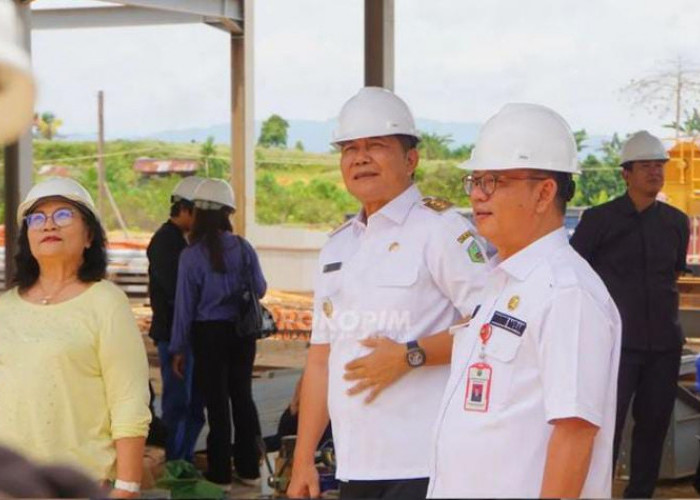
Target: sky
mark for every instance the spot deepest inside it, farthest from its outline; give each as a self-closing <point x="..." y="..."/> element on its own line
<point x="456" y="61"/>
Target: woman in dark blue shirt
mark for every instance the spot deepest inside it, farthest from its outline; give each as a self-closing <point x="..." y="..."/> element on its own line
<point x="210" y="284"/>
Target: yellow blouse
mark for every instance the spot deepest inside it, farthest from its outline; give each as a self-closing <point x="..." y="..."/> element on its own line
<point x="73" y="378"/>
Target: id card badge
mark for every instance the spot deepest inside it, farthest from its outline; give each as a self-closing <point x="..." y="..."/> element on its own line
<point x="478" y="387"/>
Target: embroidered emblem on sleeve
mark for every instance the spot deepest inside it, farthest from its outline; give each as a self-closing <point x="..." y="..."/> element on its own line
<point x="475" y="253"/>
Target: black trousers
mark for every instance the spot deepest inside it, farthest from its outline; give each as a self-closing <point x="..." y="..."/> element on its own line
<point x="652" y="378"/>
<point x="399" y="489"/>
<point x="223" y="371"/>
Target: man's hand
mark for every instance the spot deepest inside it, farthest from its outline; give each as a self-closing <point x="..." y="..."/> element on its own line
<point x="179" y="365"/>
<point x="379" y="369"/>
<point x="304" y="483"/>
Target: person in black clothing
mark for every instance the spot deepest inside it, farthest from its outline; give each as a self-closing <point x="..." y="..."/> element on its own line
<point x="638" y="246"/>
<point x="183" y="412"/>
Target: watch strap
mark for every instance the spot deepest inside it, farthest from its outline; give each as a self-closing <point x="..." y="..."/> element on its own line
<point x="412" y="344"/>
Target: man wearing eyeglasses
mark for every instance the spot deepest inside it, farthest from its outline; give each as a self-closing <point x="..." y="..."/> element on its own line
<point x="638" y="247"/>
<point x="403" y="268"/>
<point x="529" y="408"/>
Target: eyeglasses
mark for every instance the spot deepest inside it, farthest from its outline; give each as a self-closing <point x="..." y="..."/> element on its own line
<point x="487" y="183"/>
<point x="62" y="217"/>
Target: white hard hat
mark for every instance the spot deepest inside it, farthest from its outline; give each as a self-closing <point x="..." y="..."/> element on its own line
<point x="56" y="187"/>
<point x="214" y="194"/>
<point x="643" y="146"/>
<point x="524" y="135"/>
<point x="185" y="189"/>
<point x="374" y="112"/>
<point x="16" y="81"/>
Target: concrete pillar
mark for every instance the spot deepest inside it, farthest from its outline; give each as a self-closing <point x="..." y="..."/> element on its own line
<point x="18" y="170"/>
<point x="379" y="43"/>
<point x="242" y="122"/>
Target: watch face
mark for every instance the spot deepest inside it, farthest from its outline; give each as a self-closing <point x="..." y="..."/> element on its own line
<point x="415" y="357"/>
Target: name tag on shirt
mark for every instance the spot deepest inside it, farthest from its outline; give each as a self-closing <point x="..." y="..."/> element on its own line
<point x="478" y="387"/>
<point x="509" y="323"/>
<point x="333" y="266"/>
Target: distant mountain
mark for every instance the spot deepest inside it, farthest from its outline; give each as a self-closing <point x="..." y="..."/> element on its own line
<point x="316" y="135"/>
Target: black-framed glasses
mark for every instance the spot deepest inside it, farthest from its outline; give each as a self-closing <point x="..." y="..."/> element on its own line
<point x="62" y="217"/>
<point x="487" y="183"/>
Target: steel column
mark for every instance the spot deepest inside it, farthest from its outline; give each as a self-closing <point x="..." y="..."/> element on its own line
<point x="379" y="43"/>
<point x="18" y="170"/>
<point x="242" y="125"/>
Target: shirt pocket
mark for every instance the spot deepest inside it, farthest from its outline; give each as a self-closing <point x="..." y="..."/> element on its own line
<point x="392" y="300"/>
<point x="501" y="351"/>
<point x="398" y="271"/>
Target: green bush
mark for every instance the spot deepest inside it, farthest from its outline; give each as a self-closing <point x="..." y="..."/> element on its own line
<point x="316" y="203"/>
<point x="442" y="179"/>
<point x="292" y="187"/>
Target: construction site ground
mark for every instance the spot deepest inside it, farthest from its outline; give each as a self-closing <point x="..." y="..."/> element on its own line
<point x="278" y="365"/>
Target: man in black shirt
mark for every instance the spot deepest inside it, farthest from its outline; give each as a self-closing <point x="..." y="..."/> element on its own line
<point x="638" y="247"/>
<point x="183" y="412"/>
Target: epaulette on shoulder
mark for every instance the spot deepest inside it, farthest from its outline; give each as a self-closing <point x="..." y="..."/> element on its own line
<point x="436" y="204"/>
<point x="340" y="228"/>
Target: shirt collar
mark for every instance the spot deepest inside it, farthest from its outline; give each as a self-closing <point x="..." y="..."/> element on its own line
<point x="396" y="210"/>
<point x="626" y="205"/>
<point x="520" y="265"/>
<point x="628" y="208"/>
<point x="174" y="226"/>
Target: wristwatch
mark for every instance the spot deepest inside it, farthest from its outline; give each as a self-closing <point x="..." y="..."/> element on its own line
<point x="130" y="486"/>
<point x="415" y="355"/>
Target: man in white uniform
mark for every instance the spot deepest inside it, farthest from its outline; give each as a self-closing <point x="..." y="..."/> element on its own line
<point x="529" y="409"/>
<point x="404" y="267"/>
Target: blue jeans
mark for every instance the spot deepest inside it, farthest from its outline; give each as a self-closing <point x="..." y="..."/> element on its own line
<point x="182" y="405"/>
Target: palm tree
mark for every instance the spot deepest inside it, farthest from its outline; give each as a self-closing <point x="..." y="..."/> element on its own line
<point x="434" y="146"/>
<point x="207" y="151"/>
<point x="691" y="125"/>
<point x="48" y="125"/>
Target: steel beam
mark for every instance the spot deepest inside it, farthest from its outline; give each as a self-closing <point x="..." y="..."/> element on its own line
<point x="109" y="17"/>
<point x="227" y="25"/>
<point x="231" y="9"/>
<point x="379" y="43"/>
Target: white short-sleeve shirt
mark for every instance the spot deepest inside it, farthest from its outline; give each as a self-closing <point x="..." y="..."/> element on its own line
<point x="404" y="275"/>
<point x="554" y="353"/>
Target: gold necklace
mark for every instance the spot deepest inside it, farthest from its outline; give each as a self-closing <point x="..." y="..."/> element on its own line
<point x="46" y="299"/>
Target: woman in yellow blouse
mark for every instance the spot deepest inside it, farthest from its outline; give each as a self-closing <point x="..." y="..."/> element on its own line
<point x="73" y="368"/>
